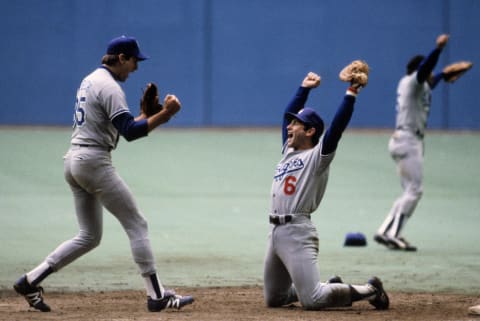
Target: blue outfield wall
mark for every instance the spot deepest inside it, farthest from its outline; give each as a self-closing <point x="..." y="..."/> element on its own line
<point x="232" y="62"/>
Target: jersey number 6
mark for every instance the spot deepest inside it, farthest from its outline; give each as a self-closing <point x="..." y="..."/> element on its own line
<point x="289" y="187"/>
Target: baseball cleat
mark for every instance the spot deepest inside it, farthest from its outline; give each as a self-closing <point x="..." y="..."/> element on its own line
<point x="475" y="310"/>
<point x="383" y="240"/>
<point x="401" y="244"/>
<point x="170" y="300"/>
<point x="394" y="243"/>
<point x="380" y="301"/>
<point x="33" y="294"/>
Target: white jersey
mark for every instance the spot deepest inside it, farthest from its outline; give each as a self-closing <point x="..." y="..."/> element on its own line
<point x="99" y="99"/>
<point x="413" y="104"/>
<point x="300" y="181"/>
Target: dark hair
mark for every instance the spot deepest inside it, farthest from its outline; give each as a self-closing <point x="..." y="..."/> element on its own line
<point x="414" y="63"/>
<point x="318" y="132"/>
<point x="112" y="60"/>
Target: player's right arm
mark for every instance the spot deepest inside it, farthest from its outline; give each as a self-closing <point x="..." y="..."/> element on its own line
<point x="311" y="80"/>
<point x="171" y="106"/>
<point x="429" y="63"/>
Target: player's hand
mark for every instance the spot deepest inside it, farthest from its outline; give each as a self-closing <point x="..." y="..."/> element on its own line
<point x="442" y="40"/>
<point x="171" y="104"/>
<point x="312" y="80"/>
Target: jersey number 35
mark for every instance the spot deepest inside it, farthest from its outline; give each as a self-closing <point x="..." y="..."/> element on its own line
<point x="79" y="114"/>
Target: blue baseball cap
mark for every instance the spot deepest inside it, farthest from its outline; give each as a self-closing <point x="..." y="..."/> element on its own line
<point x="127" y="46"/>
<point x="355" y="239"/>
<point x="309" y="117"/>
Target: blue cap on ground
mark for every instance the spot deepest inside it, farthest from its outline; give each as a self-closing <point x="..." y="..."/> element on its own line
<point x="355" y="239"/>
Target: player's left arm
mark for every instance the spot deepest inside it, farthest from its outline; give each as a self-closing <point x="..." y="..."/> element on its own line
<point x="339" y="124"/>
<point x="451" y="73"/>
<point x="435" y="80"/>
<point x="357" y="74"/>
<point x="129" y="127"/>
<point x="133" y="128"/>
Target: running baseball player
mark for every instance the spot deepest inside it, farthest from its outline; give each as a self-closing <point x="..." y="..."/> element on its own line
<point x="406" y="145"/>
<point x="290" y="271"/>
<point x="101" y="115"/>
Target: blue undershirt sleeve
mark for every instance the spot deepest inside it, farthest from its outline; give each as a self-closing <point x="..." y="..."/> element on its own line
<point x="436" y="80"/>
<point x="427" y="65"/>
<point x="129" y="128"/>
<point x="298" y="102"/>
<point x="340" y="122"/>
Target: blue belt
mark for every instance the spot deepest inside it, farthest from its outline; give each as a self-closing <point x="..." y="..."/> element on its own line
<point x="284" y="219"/>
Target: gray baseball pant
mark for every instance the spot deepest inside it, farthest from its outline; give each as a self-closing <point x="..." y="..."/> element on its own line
<point x="95" y="184"/>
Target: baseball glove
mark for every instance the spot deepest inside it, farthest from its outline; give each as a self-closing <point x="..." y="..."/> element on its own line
<point x="149" y="104"/>
<point x="355" y="73"/>
<point x="454" y="71"/>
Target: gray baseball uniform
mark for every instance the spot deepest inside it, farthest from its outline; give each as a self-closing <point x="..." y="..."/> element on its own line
<point x="406" y="145"/>
<point x="406" y="148"/>
<point x="94" y="181"/>
<point x="290" y="272"/>
<point x="101" y="115"/>
<point x="298" y="187"/>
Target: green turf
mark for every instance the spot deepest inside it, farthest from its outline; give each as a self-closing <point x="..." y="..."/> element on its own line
<point x="206" y="196"/>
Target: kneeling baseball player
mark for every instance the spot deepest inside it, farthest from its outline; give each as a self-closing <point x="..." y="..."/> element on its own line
<point x="290" y="272"/>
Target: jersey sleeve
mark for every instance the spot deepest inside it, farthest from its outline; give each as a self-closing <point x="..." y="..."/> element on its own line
<point x="296" y="103"/>
<point x="339" y="123"/>
<point x="427" y="65"/>
<point x="113" y="101"/>
<point x="436" y="79"/>
<point x="129" y="128"/>
<point x="322" y="161"/>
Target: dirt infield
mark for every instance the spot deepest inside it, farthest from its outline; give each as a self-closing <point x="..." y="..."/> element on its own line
<point x="231" y="303"/>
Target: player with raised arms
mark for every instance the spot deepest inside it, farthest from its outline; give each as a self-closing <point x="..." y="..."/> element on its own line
<point x="290" y="272"/>
<point x="406" y="145"/>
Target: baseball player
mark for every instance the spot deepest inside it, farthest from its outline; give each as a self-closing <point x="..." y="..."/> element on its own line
<point x="101" y="115"/>
<point x="406" y="145"/>
<point x="299" y="182"/>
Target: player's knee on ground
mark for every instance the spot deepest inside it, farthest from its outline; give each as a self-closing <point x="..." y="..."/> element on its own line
<point x="272" y="302"/>
<point x="275" y="301"/>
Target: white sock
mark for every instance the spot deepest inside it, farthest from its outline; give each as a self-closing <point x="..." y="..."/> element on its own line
<point x="37" y="272"/>
<point x="153" y="286"/>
